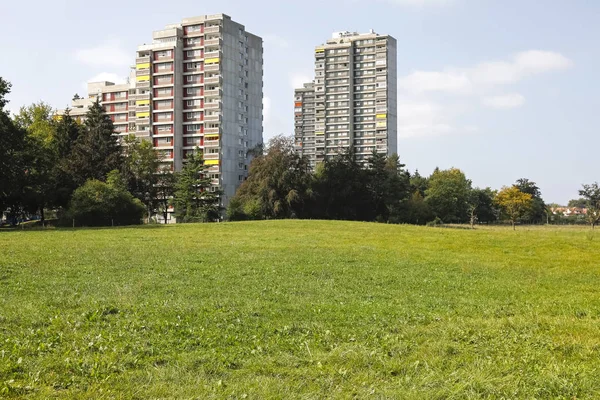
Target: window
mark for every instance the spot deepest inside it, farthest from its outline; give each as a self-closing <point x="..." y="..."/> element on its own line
<point x="194" y="28"/>
<point x="193" y="128"/>
<point x="192" y="41"/>
<point x="194" y="53"/>
<point x="192" y="103"/>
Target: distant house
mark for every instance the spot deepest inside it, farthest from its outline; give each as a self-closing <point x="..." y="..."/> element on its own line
<point x="568" y="211"/>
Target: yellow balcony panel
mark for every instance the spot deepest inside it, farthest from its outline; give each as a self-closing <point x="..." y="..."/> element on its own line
<point x="211" y="162"/>
<point x="211" y="137"/>
<point x="214" y="60"/>
<point x="319" y="50"/>
<point x="381" y="116"/>
<point x="143" y="102"/>
<point x="143" y="114"/>
<point x="143" y="66"/>
<point x="319" y="133"/>
<point x="142" y="78"/>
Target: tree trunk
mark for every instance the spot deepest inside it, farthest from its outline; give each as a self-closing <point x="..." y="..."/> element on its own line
<point x="513" y="225"/>
<point x="43" y="218"/>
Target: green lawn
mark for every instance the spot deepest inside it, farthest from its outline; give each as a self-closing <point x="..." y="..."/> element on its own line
<point x="300" y="309"/>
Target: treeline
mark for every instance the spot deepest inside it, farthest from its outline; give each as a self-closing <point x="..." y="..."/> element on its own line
<point x="84" y="175"/>
<point x="281" y="185"/>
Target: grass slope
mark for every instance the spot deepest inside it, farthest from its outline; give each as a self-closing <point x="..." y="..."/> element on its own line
<point x="300" y="309"/>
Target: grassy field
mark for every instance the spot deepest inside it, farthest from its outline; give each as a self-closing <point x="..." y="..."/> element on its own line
<point x="300" y="309"/>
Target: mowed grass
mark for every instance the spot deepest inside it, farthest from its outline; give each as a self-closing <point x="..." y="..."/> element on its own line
<point x="300" y="309"/>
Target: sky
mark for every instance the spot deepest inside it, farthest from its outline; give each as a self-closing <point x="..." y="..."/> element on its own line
<point x="502" y="89"/>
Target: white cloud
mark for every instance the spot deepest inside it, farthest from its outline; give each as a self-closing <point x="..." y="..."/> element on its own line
<point x="420" y="119"/>
<point x="432" y="81"/>
<point x="297" y="80"/>
<point x="107" y="54"/>
<point x="481" y="77"/>
<point x="276" y="41"/>
<point x="504" y="102"/>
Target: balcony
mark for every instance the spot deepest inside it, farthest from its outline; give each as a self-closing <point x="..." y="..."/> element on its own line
<point x="145" y="96"/>
<point x="212" y="29"/>
<point x="211" y="143"/>
<point x="215" y="79"/>
<point x="212" y="42"/>
<point x="211" y="130"/>
<point x="212" y="93"/>
<point x="212" y="118"/>
<point x="212" y="68"/>
<point x="212" y="54"/>
<point x="143" y="84"/>
<point x="162" y="83"/>
<point x="212" y="105"/>
<point x="142" y="60"/>
<point x="213" y="156"/>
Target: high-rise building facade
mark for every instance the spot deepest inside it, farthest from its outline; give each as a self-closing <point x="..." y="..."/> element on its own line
<point x="199" y="84"/>
<point x="354" y="98"/>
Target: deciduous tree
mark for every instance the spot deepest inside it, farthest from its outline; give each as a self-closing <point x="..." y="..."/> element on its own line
<point x="448" y="195"/>
<point x="514" y="203"/>
<point x="591" y="193"/>
<point x="278" y="184"/>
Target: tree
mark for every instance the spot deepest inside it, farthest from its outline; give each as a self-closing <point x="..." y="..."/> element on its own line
<point x="12" y="147"/>
<point x="341" y="190"/>
<point x="591" y="193"/>
<point x="389" y="186"/>
<point x="97" y="203"/>
<point x="96" y="151"/>
<point x="278" y="184"/>
<point x="578" y="203"/>
<point x="140" y="168"/>
<point x="76" y="97"/>
<point x="416" y="211"/>
<point x="514" y="203"/>
<point x="419" y="183"/>
<point x="448" y="195"/>
<point x="39" y="186"/>
<point x="193" y="198"/>
<point x="481" y="206"/>
<point x="67" y="132"/>
<point x="536" y="214"/>
<point x="164" y="190"/>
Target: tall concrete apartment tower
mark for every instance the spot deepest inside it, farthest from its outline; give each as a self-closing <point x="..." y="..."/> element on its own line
<point x="354" y="98"/>
<point x="198" y="84"/>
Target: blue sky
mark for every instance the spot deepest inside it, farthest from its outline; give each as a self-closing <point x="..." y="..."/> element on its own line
<point x="501" y="89"/>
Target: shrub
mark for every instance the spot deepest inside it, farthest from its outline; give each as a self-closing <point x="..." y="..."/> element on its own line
<point x="96" y="203"/>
